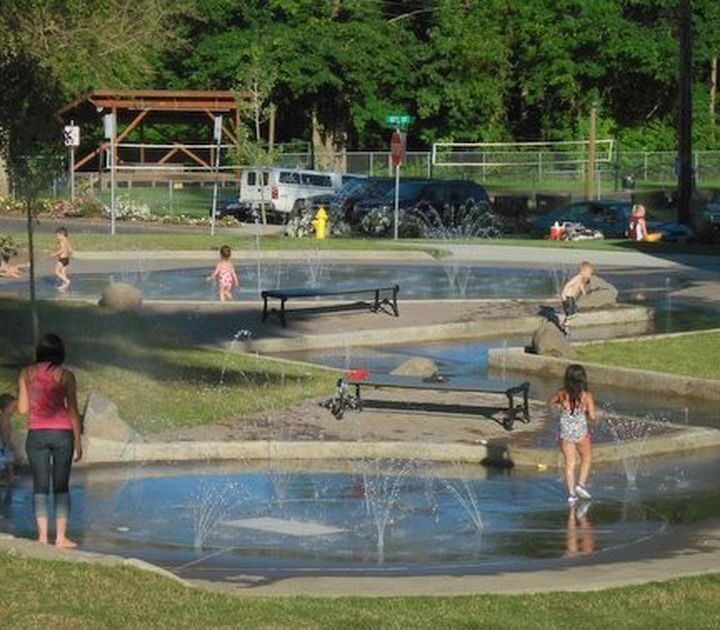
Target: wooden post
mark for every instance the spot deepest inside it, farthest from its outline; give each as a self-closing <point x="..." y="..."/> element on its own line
<point x="590" y="171"/>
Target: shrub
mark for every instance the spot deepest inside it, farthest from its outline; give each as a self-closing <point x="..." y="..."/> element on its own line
<point x="8" y="205"/>
<point x="8" y="247"/>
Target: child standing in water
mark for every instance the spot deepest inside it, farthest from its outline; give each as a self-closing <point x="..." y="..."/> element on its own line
<point x="577" y="408"/>
<point x="225" y="274"/>
<point x="8" y="407"/>
<point x="62" y="255"/>
<point x="576" y="286"/>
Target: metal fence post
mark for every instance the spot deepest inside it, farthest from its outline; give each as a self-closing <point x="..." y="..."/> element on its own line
<point x="696" y="166"/>
<point x="645" y="165"/>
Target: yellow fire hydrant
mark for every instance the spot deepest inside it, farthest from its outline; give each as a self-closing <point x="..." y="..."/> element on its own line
<point x="320" y="223"/>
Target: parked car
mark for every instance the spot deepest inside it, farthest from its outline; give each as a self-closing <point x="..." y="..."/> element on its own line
<point x="611" y="217"/>
<point x="280" y="190"/>
<point x="710" y="216"/>
<point x="422" y="194"/>
<point x="342" y="203"/>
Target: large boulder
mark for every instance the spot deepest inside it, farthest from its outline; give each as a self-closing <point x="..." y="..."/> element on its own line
<point x="120" y="296"/>
<point x="102" y="420"/>
<point x="418" y="366"/>
<point x="549" y="340"/>
<point x="599" y="294"/>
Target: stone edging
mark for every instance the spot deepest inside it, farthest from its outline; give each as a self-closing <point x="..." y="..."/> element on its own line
<point x="517" y="360"/>
<point x="477" y="329"/>
<point x="99" y="451"/>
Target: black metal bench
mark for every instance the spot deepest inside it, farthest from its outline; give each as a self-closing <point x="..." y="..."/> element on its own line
<point x="382" y="296"/>
<point x="486" y="386"/>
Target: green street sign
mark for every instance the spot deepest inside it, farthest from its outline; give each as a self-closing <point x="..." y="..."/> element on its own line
<point x="398" y="120"/>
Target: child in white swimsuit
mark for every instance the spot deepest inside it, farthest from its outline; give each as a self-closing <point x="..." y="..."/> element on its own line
<point x="577" y="410"/>
<point x="225" y="275"/>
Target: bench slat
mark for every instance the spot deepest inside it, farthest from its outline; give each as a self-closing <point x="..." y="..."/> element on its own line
<point x="302" y="292"/>
<point x="409" y="382"/>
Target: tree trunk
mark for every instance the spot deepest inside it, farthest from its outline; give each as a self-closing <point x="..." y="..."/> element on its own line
<point x="329" y="145"/>
<point x="713" y="94"/>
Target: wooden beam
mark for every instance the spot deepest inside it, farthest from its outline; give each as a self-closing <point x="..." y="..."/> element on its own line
<point x="91" y="155"/>
<point x="193" y="156"/>
<point x="134" y="123"/>
<point x="168" y="155"/>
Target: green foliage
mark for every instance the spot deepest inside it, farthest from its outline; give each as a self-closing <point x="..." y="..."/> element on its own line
<point x="8" y="247"/>
<point x="465" y="69"/>
<point x="53" y="50"/>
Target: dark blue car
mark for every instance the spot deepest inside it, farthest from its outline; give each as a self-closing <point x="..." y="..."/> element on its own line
<point x="609" y="216"/>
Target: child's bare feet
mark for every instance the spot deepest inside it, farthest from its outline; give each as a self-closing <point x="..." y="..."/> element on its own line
<point x="43" y="540"/>
<point x="65" y="543"/>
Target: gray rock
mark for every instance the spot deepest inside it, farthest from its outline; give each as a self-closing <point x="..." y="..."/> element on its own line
<point x="600" y="294"/>
<point x="102" y="420"/>
<point x="120" y="296"/>
<point x="548" y="340"/>
<point x="417" y="366"/>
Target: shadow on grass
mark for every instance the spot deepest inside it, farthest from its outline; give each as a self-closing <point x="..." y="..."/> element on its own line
<point x="162" y="346"/>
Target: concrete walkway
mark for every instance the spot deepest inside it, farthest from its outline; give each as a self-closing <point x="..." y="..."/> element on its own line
<point x="680" y="552"/>
<point x="551" y="257"/>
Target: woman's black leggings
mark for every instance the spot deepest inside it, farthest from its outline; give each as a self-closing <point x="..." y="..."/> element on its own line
<point x="50" y="454"/>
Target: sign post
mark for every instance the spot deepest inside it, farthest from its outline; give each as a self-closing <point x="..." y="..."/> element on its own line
<point x="398" y="145"/>
<point x="217" y="136"/>
<point x="71" y="136"/>
<point x="109" y="123"/>
<point x="397" y="157"/>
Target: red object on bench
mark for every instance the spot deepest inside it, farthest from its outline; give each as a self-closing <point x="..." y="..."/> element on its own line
<point x="358" y="375"/>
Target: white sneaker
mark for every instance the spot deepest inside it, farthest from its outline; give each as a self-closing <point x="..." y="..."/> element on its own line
<point x="582" y="492"/>
<point x="583" y="510"/>
<point x="572" y="499"/>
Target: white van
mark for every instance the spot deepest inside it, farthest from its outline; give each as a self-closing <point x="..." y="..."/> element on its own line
<point x="283" y="190"/>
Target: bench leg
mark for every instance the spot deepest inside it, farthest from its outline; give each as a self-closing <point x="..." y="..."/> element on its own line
<point x="526" y="403"/>
<point x="395" y="302"/>
<point x="510" y="420"/>
<point x="282" y="312"/>
<point x="357" y="397"/>
<point x="265" y="309"/>
<point x="376" y="306"/>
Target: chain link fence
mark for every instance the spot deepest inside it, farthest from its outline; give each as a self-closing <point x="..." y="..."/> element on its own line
<point x="189" y="193"/>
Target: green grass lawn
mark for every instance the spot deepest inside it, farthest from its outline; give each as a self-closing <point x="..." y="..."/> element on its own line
<point x="152" y="372"/>
<point x="690" y="355"/>
<point x="199" y="241"/>
<point x="590" y="245"/>
<point x="53" y="594"/>
<point x="193" y="201"/>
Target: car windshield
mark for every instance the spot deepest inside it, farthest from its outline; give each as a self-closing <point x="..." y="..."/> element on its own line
<point x="351" y="186"/>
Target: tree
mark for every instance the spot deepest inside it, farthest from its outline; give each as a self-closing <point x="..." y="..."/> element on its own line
<point x="56" y="49"/>
<point x="463" y="71"/>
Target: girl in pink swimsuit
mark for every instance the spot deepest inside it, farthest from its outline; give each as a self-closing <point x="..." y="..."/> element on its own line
<point x="48" y="395"/>
<point x="225" y="275"/>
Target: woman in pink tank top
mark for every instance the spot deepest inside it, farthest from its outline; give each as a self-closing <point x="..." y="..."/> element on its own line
<point x="48" y="395"/>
